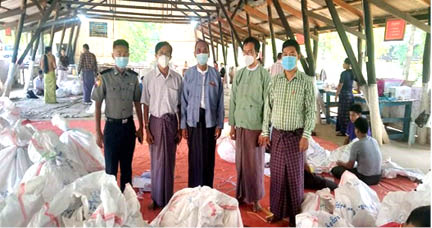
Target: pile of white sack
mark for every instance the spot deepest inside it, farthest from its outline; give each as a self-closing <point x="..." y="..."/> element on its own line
<point x="58" y="181"/>
<point x="355" y="204"/>
<point x="199" y="207"/>
<point x="70" y="87"/>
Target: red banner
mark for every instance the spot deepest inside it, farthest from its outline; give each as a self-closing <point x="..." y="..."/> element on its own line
<point x="300" y="38"/>
<point x="395" y="29"/>
<point x="8" y="32"/>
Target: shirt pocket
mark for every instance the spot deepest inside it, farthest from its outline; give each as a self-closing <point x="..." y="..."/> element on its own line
<point x="113" y="92"/>
<point x="173" y="95"/>
<point x="127" y="91"/>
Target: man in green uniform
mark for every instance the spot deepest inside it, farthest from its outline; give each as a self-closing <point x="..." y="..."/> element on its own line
<point x="120" y="89"/>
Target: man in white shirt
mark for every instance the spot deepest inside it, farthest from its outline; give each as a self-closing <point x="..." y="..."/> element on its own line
<point x="277" y="68"/>
<point x="38" y="84"/>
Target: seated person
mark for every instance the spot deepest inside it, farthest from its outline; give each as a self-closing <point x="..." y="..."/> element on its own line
<point x="366" y="153"/>
<point x="315" y="182"/>
<point x="354" y="113"/>
<point x="419" y="217"/>
<point x="38" y="84"/>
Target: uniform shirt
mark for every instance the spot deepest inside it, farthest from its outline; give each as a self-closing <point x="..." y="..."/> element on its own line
<point x="368" y="156"/>
<point x="203" y="75"/>
<point x="276" y="68"/>
<point x="290" y="105"/>
<point x="247" y="98"/>
<point x="119" y="90"/>
<point x="192" y="93"/>
<point x="160" y="93"/>
<point x="87" y="62"/>
<point x="347" y="78"/>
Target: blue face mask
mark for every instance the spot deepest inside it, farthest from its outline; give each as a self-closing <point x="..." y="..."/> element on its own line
<point x="202" y="58"/>
<point x="289" y="62"/>
<point x="121" y="62"/>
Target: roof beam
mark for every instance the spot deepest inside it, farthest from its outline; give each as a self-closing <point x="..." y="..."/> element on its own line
<point x="137" y="14"/>
<point x="296" y="13"/>
<point x="136" y="7"/>
<point x="175" y="2"/>
<point x="36" y="2"/>
<point x="14" y="12"/>
<point x="330" y="22"/>
<point x="397" y="13"/>
<point x="139" y="19"/>
<point x="349" y="7"/>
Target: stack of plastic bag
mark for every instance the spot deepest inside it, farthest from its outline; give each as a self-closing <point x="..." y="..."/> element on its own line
<point x="396" y="206"/>
<point x="355" y="204"/>
<point x="391" y="170"/>
<point x="81" y="144"/>
<point x="199" y="207"/>
<point x="68" y="88"/>
<point x="93" y="201"/>
<point x="226" y="146"/>
<point x="8" y="112"/>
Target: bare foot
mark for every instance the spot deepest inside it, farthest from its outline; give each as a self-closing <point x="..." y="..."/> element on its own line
<point x="272" y="219"/>
<point x="256" y="207"/>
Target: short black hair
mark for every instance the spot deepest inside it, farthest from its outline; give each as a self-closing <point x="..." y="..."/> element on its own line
<point x="362" y="125"/>
<point x="347" y="61"/>
<point x="356" y="108"/>
<point x="121" y="42"/>
<point x="279" y="56"/>
<point x="47" y="49"/>
<point x="253" y="40"/>
<point x="40" y="72"/>
<point x="200" y="41"/>
<point x="420" y="217"/>
<point x="86" y="46"/>
<point x="291" y="43"/>
<point x="161" y="44"/>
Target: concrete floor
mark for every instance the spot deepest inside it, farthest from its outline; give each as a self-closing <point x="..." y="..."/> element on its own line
<point x="416" y="156"/>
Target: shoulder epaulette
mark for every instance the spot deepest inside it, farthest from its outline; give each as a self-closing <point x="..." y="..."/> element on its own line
<point x="132" y="72"/>
<point x="106" y="71"/>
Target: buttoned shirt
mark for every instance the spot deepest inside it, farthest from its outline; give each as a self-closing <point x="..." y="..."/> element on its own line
<point x="160" y="93"/>
<point x="290" y="105"/>
<point x="38" y="83"/>
<point x="119" y="90"/>
<point x="203" y="73"/>
<point x="276" y="68"/>
<point x="87" y="62"/>
<point x="247" y="98"/>
<point x="192" y="95"/>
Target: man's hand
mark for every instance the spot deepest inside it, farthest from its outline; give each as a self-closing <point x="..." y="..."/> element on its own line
<point x="263" y="140"/>
<point x="149" y="137"/>
<point x="233" y="133"/>
<point x="304" y="144"/>
<point x="99" y="139"/>
<point x="139" y="134"/>
<point x="179" y="136"/>
<point x="218" y="132"/>
<point x="185" y="133"/>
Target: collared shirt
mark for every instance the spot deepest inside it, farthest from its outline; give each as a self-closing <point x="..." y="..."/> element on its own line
<point x="119" y="90"/>
<point x="368" y="156"/>
<point x="87" y="62"/>
<point x="38" y="83"/>
<point x="290" y="105"/>
<point x="276" y="69"/>
<point x="347" y="78"/>
<point x="248" y="93"/>
<point x="160" y="93"/>
<point x="192" y="94"/>
<point x="203" y="73"/>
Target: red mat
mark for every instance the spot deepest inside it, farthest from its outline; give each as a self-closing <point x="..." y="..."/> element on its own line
<point x="225" y="175"/>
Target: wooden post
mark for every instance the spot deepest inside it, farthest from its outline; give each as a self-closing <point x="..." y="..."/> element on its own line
<point x="235" y="49"/>
<point x="236" y="36"/>
<point x="425" y="101"/>
<point x="211" y="39"/>
<point x="62" y="36"/>
<point x="360" y="47"/>
<point x="345" y="42"/>
<point x="263" y="52"/>
<point x="75" y="43"/>
<point x="69" y="45"/>
<point x="14" y="66"/>
<point x="310" y="56"/>
<point x="272" y="36"/>
<point x="202" y="31"/>
<point x="315" y="46"/>
<point x="288" y="30"/>
<point x="222" y="42"/>
<point x="53" y="27"/>
<point x="248" y="24"/>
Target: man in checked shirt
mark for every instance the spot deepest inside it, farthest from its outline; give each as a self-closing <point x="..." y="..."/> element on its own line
<point x="88" y="67"/>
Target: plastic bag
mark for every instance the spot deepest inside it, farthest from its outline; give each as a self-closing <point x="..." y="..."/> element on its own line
<point x="62" y="92"/>
<point x="200" y="207"/>
<point x="321" y="200"/>
<point x="76" y="88"/>
<point x="226" y="149"/>
<point x="356" y="202"/>
<point x="8" y="111"/>
<point x="391" y="170"/>
<point x="14" y="162"/>
<point x="320" y="219"/>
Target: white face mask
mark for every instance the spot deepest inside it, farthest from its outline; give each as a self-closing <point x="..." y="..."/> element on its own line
<point x="163" y="61"/>
<point x="249" y="60"/>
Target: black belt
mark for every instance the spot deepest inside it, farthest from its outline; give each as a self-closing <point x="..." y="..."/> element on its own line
<point x="119" y="121"/>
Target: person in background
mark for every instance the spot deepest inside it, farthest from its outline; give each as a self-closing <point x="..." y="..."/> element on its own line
<point x="88" y="67"/>
<point x="202" y="116"/>
<point x="119" y="87"/>
<point x="246" y="113"/>
<point x="231" y="75"/>
<point x="223" y="73"/>
<point x="185" y="67"/>
<point x="38" y="84"/>
<point x="277" y="68"/>
<point x="346" y="98"/>
<point x="161" y="100"/>
<point x="63" y="67"/>
<point x="419" y="217"/>
<point x="354" y="113"/>
<point x="290" y="109"/>
<point x="366" y="153"/>
<point x="48" y="64"/>
<point x="215" y="65"/>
